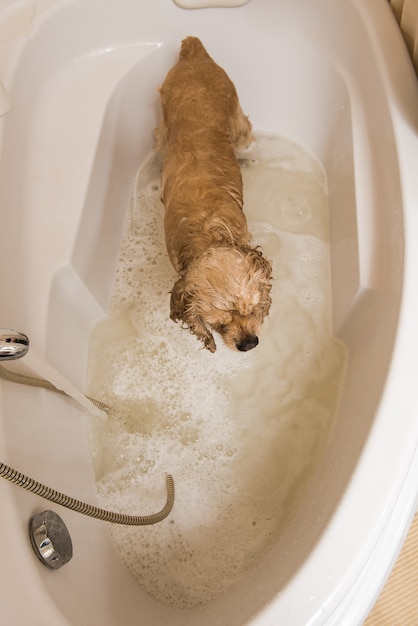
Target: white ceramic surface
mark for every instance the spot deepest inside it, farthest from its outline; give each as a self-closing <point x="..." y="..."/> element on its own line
<point x="78" y="101"/>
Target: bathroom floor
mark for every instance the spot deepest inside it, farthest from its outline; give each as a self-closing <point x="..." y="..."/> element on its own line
<point x="397" y="604"/>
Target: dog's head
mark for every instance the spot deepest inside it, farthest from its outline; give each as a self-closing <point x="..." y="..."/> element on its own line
<point x="226" y="290"/>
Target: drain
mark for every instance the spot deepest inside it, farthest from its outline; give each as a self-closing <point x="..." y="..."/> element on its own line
<point x="50" y="539"/>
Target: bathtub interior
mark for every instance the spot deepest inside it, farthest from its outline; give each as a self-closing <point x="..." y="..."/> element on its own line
<point x="84" y="104"/>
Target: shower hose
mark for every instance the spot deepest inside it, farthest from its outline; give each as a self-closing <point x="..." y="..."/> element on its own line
<point x="52" y="495"/>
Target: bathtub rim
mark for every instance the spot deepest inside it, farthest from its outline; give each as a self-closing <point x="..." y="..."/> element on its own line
<point x="366" y="459"/>
<point x="362" y="581"/>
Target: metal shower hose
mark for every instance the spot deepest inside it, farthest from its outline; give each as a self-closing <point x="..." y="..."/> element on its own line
<point x="52" y="495"/>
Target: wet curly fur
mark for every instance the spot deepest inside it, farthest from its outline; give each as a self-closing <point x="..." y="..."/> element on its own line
<point x="224" y="283"/>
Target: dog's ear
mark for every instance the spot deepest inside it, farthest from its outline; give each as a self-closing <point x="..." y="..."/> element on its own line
<point x="263" y="268"/>
<point x="183" y="309"/>
<point x="267" y="277"/>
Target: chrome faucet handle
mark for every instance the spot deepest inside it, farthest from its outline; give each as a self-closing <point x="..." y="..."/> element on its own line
<point x="13" y="345"/>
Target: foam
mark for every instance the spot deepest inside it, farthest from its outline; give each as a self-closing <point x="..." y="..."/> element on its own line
<point x="241" y="433"/>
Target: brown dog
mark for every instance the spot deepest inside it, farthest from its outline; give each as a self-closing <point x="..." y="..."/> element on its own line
<point x="224" y="283"/>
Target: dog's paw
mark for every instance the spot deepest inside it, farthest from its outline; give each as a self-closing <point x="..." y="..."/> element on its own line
<point x="209" y="344"/>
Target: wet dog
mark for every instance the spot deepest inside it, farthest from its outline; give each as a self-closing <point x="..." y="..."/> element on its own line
<point x="224" y="283"/>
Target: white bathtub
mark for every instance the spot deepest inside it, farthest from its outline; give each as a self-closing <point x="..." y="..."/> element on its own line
<point x="79" y="103"/>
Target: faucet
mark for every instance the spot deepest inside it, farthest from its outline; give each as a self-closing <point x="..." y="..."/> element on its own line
<point x="13" y="345"/>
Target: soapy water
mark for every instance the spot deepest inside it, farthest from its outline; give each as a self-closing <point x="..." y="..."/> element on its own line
<point x="241" y="433"/>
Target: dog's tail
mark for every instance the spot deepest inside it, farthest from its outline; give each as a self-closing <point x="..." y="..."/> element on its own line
<point x="192" y="46"/>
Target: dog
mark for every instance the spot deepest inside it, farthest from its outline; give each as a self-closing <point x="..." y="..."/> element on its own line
<point x="224" y="283"/>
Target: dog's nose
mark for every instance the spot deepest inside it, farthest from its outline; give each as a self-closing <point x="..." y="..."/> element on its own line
<point x="248" y="343"/>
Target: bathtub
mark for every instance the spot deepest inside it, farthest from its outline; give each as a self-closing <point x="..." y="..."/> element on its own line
<point x="78" y="104"/>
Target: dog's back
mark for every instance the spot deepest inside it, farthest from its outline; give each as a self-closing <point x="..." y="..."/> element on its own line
<point x="197" y="94"/>
<point x="201" y="124"/>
